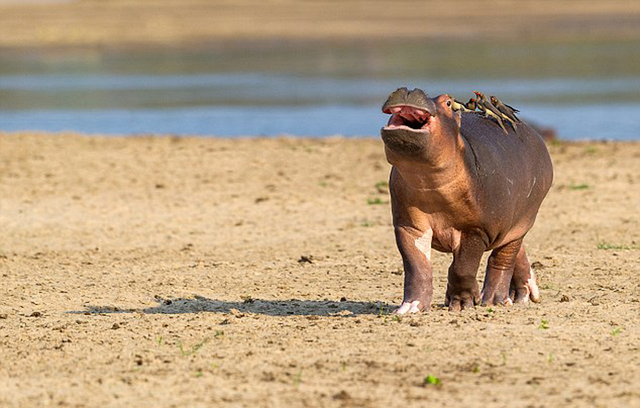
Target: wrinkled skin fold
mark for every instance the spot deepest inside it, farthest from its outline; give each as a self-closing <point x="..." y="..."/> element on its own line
<point x="459" y="184"/>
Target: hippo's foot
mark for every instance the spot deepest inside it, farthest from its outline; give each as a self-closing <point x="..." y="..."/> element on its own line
<point x="509" y="278"/>
<point x="523" y="284"/>
<point x="415" y="306"/>
<point x="524" y="288"/>
<point x="461" y="299"/>
<point x="496" y="288"/>
<point x="494" y="299"/>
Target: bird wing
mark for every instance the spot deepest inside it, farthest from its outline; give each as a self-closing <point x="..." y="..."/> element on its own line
<point x="511" y="107"/>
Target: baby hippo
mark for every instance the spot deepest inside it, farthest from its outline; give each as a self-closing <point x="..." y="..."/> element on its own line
<point x="460" y="184"/>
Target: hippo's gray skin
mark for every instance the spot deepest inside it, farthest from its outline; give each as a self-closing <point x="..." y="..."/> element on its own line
<point x="460" y="184"/>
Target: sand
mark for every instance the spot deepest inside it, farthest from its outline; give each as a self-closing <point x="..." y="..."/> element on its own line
<point x="187" y="23"/>
<point x="172" y="272"/>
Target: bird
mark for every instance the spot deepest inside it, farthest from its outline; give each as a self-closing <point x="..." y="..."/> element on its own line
<point x="490" y="111"/>
<point x="456" y="105"/>
<point x="471" y="104"/>
<point x="490" y="114"/>
<point x="507" y="110"/>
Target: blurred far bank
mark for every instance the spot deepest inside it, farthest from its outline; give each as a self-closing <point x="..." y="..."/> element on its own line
<point x="311" y="68"/>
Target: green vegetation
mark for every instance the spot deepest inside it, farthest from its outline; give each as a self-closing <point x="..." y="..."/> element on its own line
<point x="194" y="349"/>
<point x="582" y="186"/>
<point x="544" y="324"/>
<point x="382" y="187"/>
<point x="616" y="331"/>
<point x="297" y="379"/>
<point x="431" y="380"/>
<point x="376" y="201"/>
<point x="606" y="246"/>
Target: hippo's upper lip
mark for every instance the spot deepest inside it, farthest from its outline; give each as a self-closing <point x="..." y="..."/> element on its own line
<point x="408" y="117"/>
<point x="416" y="99"/>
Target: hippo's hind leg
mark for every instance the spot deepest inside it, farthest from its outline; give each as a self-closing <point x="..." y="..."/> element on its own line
<point x="415" y="248"/>
<point x="462" y="285"/>
<point x="523" y="283"/>
<point x="500" y="271"/>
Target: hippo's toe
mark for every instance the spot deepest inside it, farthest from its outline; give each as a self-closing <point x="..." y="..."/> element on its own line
<point x="409" y="307"/>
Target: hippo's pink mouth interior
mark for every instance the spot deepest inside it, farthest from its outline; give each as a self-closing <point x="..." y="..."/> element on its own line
<point x="409" y="117"/>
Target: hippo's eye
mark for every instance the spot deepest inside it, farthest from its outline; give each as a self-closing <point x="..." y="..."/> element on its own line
<point x="448" y="103"/>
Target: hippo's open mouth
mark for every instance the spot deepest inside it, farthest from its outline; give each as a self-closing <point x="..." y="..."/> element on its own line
<point x="413" y="120"/>
<point x="409" y="118"/>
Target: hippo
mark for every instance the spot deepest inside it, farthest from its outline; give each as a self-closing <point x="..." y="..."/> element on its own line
<point x="460" y="184"/>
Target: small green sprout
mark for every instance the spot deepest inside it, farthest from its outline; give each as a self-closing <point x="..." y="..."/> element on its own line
<point x="382" y="187"/>
<point x="581" y="186"/>
<point x="193" y="350"/>
<point x="375" y="201"/>
<point x="544" y="324"/>
<point x="607" y="246"/>
<point x="297" y="379"/>
<point x="431" y="380"/>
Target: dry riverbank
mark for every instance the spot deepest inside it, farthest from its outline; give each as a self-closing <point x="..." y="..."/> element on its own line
<point x="172" y="272"/>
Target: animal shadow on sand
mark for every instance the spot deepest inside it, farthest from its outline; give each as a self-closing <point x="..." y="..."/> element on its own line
<point x="290" y="307"/>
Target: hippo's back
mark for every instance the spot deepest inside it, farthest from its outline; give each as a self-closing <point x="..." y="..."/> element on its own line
<point x="513" y="171"/>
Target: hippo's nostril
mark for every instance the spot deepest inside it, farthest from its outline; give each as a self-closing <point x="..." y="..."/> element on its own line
<point x="397" y="97"/>
<point x="417" y="97"/>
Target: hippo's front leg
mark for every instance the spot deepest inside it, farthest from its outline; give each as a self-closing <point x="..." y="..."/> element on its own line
<point x="415" y="248"/>
<point x="462" y="285"/>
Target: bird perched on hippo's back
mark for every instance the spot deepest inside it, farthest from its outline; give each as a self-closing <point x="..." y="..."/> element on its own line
<point x="488" y="109"/>
<point x="456" y="105"/>
<point x="505" y="109"/>
<point x="471" y="104"/>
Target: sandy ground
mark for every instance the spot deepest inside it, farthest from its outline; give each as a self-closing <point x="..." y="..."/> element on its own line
<point x="174" y="272"/>
<point x="101" y="23"/>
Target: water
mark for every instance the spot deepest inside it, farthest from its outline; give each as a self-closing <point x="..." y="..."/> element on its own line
<point x="584" y="92"/>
